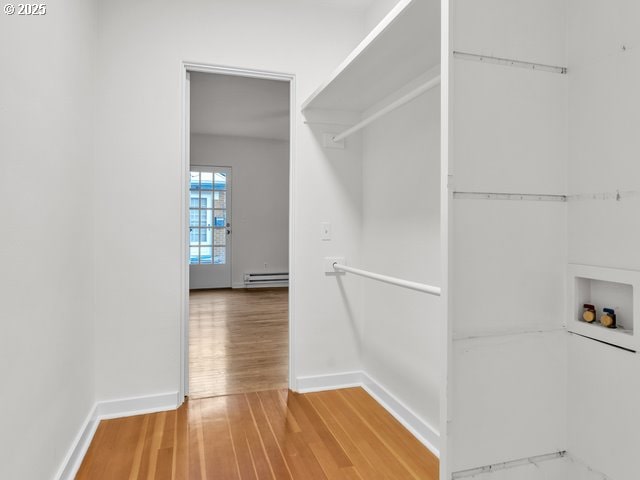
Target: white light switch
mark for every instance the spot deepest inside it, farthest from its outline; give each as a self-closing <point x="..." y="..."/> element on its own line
<point x="325" y="231"/>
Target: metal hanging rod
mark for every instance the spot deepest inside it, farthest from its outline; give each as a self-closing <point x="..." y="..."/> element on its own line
<point x="510" y="62"/>
<point x="531" y="197"/>
<point x="420" y="287"/>
<point x="434" y="82"/>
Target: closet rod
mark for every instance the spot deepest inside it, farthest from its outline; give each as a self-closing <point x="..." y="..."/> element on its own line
<point x="420" y="287"/>
<point x="389" y="108"/>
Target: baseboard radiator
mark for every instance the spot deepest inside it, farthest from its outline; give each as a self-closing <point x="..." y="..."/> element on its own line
<point x="252" y="280"/>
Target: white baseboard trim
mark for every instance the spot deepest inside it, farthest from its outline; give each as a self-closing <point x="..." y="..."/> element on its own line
<point x="334" y="381"/>
<point x="263" y="285"/>
<point x="424" y="433"/>
<point x="79" y="447"/>
<point x="104" y="410"/>
<point x="127" y="407"/>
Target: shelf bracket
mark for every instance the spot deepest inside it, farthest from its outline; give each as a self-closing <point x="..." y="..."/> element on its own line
<point x="509" y="62"/>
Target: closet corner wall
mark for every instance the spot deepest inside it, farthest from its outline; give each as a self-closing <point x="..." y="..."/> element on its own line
<point x="388" y="90"/>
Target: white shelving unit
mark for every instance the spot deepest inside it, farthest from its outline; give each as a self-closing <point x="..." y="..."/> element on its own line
<point x="401" y="48"/>
<point x="604" y="287"/>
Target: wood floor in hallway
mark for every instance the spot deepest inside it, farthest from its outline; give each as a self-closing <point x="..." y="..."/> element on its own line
<point x="238" y="341"/>
<point x="277" y="435"/>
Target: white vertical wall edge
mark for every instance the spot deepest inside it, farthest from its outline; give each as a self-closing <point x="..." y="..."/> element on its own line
<point x="124" y="407"/>
<point x="446" y="245"/>
<point x="421" y="430"/>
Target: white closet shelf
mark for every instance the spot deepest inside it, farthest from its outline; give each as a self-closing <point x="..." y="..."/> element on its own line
<point x="403" y="46"/>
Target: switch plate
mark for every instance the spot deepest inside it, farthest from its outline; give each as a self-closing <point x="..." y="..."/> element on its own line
<point x="325" y="231"/>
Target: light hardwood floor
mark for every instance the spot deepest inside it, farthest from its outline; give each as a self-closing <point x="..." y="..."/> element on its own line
<point x="278" y="435"/>
<point x="238" y="341"/>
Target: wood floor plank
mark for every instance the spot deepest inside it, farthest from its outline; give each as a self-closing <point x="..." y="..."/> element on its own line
<point x="219" y="454"/>
<point x="269" y="435"/>
<point x="238" y="341"/>
<point x="270" y="444"/>
<point x="389" y="430"/>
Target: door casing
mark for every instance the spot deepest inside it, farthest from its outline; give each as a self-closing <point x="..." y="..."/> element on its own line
<point x="185" y="69"/>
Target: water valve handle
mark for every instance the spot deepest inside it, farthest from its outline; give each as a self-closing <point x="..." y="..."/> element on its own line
<point x="608" y="318"/>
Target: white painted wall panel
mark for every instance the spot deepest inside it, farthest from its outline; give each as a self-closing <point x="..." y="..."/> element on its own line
<point x="604" y="391"/>
<point x="508" y="267"/>
<point x="401" y="237"/>
<point x="510" y="129"/>
<point x="605" y="233"/>
<point x="508" y="398"/>
<point x="508" y="257"/>
<point x="47" y="92"/>
<point x="138" y="178"/>
<point x="533" y="31"/>
<point x="604" y="420"/>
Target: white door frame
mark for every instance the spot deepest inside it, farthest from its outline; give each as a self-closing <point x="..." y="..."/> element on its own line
<point x="185" y="69"/>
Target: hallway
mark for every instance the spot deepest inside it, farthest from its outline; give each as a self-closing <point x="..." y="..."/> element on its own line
<point x="340" y="434"/>
<point x="238" y="341"/>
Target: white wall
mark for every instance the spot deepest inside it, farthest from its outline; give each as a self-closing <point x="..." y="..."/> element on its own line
<point x="260" y="199"/>
<point x="603" y="150"/>
<point x="377" y="11"/>
<point x="141" y="47"/>
<point x="401" y="238"/>
<point x="507" y="273"/>
<point x="46" y="211"/>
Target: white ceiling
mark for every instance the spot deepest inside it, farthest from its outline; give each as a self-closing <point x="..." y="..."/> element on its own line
<point x="239" y="106"/>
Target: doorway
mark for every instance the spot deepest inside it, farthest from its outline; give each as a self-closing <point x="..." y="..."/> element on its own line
<point x="237" y="327"/>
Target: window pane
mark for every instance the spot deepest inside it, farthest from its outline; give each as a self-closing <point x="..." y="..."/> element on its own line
<point x="206" y="200"/>
<point x="194" y="237"/>
<point x="206" y="180"/>
<point x="205" y="255"/>
<point x="206" y="236"/>
<point x="194" y="218"/>
<point x="220" y="218"/>
<point x="193" y="255"/>
<point x="219" y="255"/>
<point x="194" y="181"/>
<point x="220" y="181"/>
<point x="193" y="200"/>
<point x="220" y="236"/>
<point x="220" y="200"/>
<point x="206" y="218"/>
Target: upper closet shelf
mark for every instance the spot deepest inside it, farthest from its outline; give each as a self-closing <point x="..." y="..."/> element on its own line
<point x="403" y="46"/>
